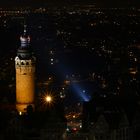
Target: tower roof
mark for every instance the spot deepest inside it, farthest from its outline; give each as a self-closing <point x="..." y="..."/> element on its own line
<point x="24" y="39"/>
<point x="24" y="51"/>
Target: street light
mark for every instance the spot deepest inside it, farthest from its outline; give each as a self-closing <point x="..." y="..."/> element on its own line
<point x="48" y="98"/>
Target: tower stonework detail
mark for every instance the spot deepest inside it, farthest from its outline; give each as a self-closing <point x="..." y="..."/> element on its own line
<point x="25" y="75"/>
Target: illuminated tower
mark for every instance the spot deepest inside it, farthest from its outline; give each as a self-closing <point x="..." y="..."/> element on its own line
<point x="25" y="74"/>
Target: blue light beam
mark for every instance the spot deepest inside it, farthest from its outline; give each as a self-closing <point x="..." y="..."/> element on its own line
<point x="81" y="92"/>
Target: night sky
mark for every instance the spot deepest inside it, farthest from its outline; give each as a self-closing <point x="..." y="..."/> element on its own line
<point x="99" y="3"/>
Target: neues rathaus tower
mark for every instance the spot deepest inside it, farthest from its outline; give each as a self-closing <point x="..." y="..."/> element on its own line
<point x="25" y="74"/>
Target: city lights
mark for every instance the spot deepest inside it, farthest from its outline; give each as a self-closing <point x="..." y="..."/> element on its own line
<point x="78" y="78"/>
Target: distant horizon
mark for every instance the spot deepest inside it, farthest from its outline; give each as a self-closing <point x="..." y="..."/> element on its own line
<point x="43" y="3"/>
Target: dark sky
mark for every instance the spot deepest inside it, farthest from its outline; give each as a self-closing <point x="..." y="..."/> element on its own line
<point x="102" y="3"/>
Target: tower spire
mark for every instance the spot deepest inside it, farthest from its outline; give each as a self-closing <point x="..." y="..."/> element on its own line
<point x="25" y="29"/>
<point x="24" y="51"/>
<point x="25" y="39"/>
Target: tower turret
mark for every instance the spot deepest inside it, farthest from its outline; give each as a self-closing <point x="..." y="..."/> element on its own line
<point x="25" y="74"/>
<point x="24" y="51"/>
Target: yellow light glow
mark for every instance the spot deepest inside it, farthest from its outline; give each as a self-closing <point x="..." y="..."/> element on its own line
<point x="48" y="98"/>
<point x="73" y="116"/>
<point x="20" y="113"/>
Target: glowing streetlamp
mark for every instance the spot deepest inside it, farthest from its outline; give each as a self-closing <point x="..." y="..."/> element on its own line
<point x="48" y="98"/>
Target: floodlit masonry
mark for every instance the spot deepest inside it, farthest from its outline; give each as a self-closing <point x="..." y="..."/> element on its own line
<point x="25" y="74"/>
